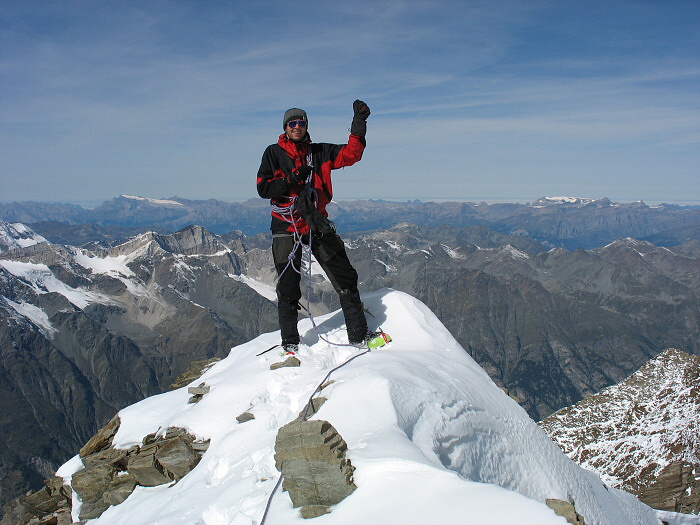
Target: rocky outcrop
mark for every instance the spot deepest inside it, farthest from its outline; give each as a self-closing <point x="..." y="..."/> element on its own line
<point x="566" y="510"/>
<point x="194" y="371"/>
<point x="311" y="457"/>
<point x="642" y="435"/>
<point x="47" y="506"/>
<point x="677" y="489"/>
<point x="110" y="475"/>
<point x="244" y="417"/>
<point x="102" y="439"/>
<point x="291" y="361"/>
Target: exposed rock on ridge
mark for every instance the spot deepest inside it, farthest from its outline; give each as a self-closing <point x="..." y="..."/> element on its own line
<point x="642" y="435"/>
<point x="84" y="333"/>
<point x="311" y="457"/>
<point x="109" y="476"/>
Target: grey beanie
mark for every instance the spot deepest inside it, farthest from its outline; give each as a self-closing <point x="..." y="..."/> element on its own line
<point x="292" y="114"/>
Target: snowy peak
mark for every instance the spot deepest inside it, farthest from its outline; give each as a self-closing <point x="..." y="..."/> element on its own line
<point x="629" y="243"/>
<point x="558" y="201"/>
<point x="551" y="201"/>
<point x="191" y="240"/>
<point x="630" y="433"/>
<point x="144" y="244"/>
<point x="150" y="201"/>
<point x="431" y="437"/>
<point x="17" y="235"/>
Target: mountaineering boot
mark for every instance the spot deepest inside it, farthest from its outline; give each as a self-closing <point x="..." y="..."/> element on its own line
<point x="374" y="339"/>
<point x="354" y="314"/>
<point x="290" y="349"/>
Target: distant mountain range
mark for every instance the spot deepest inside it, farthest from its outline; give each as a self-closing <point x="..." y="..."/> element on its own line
<point x="555" y="222"/>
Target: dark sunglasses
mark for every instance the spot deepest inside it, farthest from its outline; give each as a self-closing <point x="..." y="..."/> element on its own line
<point x="295" y="123"/>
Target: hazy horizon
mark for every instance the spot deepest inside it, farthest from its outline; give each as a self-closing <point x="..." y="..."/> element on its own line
<point x="91" y="204"/>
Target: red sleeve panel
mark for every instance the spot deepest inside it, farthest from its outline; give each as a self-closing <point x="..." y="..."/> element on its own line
<point x="280" y="159"/>
<point x="350" y="153"/>
<point x="332" y="157"/>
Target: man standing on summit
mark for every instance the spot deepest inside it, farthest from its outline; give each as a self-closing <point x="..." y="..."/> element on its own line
<point x="295" y="174"/>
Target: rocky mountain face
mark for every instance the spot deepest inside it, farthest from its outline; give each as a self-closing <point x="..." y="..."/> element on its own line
<point x="556" y="222"/>
<point x="550" y="327"/>
<point x="643" y="434"/>
<point x="85" y="333"/>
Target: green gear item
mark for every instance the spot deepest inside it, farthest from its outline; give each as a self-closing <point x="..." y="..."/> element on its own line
<point x="379" y="340"/>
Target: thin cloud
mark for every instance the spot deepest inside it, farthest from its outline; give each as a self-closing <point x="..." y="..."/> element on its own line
<point x="137" y="91"/>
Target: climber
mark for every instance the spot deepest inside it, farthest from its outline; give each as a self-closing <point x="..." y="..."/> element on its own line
<point x="295" y="174"/>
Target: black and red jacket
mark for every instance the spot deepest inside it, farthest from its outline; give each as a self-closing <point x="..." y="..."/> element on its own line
<point x="279" y="160"/>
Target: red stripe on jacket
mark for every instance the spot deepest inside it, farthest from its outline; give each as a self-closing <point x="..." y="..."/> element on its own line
<point x="280" y="159"/>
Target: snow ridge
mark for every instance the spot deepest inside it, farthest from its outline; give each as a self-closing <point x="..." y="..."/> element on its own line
<point x="432" y="438"/>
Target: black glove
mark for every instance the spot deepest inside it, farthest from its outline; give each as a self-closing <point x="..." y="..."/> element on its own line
<point x="359" y="120"/>
<point x="318" y="224"/>
<point x="361" y="109"/>
<point x="299" y="175"/>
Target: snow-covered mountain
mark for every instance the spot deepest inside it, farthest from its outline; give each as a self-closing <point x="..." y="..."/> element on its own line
<point x="643" y="434"/>
<point x="431" y="437"/>
<point x="84" y="333"/>
<point x="151" y="201"/>
<point x="17" y="235"/>
<point x="553" y="201"/>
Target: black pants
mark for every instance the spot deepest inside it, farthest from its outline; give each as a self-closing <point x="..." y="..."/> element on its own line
<point x="329" y="251"/>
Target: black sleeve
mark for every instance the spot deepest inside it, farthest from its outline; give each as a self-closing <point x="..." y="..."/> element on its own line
<point x="271" y="180"/>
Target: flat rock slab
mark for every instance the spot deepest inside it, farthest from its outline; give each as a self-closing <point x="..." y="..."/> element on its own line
<point x="291" y="361"/>
<point x="311" y="457"/>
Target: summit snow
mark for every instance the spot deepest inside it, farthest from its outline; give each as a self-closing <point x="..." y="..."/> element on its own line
<point x="432" y="438"/>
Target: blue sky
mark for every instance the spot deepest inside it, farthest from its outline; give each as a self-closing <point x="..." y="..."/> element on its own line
<point x="492" y="100"/>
